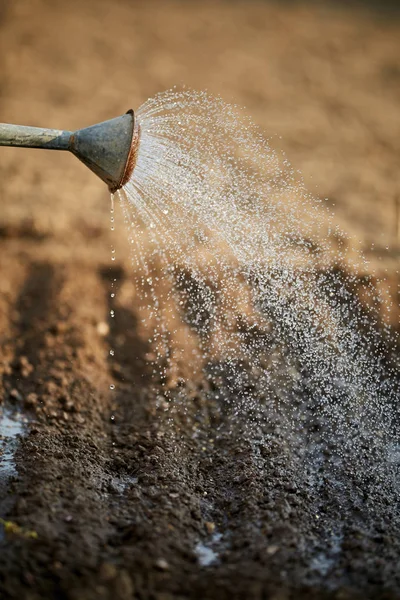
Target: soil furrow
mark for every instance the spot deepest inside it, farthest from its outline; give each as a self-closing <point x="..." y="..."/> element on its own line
<point x="61" y="462"/>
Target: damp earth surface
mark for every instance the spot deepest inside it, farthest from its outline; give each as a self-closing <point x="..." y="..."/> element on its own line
<point x="208" y="410"/>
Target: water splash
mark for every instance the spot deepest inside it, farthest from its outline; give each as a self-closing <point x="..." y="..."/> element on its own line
<point x="225" y="235"/>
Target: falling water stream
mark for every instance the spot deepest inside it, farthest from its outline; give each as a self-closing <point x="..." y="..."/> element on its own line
<point x="230" y="249"/>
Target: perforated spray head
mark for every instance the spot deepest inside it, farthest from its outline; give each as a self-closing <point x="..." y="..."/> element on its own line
<point x="109" y="149"/>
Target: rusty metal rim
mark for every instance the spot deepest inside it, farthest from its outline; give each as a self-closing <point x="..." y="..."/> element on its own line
<point x="132" y="156"/>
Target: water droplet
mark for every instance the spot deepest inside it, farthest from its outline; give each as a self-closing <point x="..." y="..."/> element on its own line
<point x="283" y="341"/>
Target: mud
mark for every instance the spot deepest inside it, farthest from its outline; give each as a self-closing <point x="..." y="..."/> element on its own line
<point x="113" y="496"/>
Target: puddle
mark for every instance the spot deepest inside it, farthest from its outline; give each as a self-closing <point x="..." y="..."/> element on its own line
<point x="119" y="485"/>
<point x="11" y="427"/>
<point x="323" y="562"/>
<point x="394" y="453"/>
<point x="204" y="552"/>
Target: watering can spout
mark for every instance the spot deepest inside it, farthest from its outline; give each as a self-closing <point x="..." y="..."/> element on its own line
<point x="106" y="148"/>
<point x="109" y="149"/>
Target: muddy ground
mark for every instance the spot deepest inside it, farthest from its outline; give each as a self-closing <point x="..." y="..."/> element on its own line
<point x="112" y="496"/>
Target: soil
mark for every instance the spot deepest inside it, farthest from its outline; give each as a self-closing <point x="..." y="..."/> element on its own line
<point x="113" y="495"/>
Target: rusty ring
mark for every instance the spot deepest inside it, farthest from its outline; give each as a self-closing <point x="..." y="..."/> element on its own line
<point x="132" y="156"/>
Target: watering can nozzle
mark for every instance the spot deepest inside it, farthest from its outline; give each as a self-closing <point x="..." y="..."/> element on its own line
<point x="109" y="149"/>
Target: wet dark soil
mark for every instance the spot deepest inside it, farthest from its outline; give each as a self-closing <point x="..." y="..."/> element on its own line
<point x="121" y="494"/>
<point x="115" y="497"/>
<point x="122" y="498"/>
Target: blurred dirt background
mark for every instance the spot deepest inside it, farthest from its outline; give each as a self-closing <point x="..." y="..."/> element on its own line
<point x="116" y="509"/>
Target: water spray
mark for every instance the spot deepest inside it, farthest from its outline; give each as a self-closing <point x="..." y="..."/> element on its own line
<point x="109" y="148"/>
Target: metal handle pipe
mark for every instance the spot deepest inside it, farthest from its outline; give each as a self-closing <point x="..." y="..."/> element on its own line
<point x="34" y="137"/>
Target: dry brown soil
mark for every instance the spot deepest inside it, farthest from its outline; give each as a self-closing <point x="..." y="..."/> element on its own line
<point x="116" y="494"/>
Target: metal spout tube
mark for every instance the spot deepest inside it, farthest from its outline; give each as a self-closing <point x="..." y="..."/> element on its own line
<point x="109" y="149"/>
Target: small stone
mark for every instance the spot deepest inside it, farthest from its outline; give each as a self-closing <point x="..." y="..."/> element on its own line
<point x="7" y="370"/>
<point x="102" y="328"/>
<point x="61" y="327"/>
<point x="271" y="550"/>
<point x="162" y="564"/>
<point x="31" y="399"/>
<point x="69" y="406"/>
<point x="51" y="387"/>
<point x="210" y="527"/>
<point x="124" y="585"/>
<point x="15" y="395"/>
<point x="108" y="572"/>
<point x="25" y="366"/>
